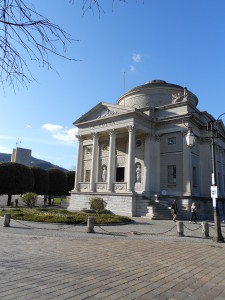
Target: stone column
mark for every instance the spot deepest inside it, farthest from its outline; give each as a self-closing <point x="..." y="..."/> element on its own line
<point x="147" y="164"/>
<point x="130" y="158"/>
<point x="94" y="162"/>
<point x="79" y="163"/>
<point x="111" y="163"/>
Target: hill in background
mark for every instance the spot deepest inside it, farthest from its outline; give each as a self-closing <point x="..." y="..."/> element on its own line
<point x="35" y="162"/>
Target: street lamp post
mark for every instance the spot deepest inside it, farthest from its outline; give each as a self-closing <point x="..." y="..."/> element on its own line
<point x="190" y="139"/>
<point x="218" y="237"/>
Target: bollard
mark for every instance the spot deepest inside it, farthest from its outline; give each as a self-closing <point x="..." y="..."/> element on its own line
<point x="90" y="225"/>
<point x="7" y="218"/>
<point x="205" y="229"/>
<point x="180" y="229"/>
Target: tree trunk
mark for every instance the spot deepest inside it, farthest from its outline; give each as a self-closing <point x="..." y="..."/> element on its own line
<point x="9" y="200"/>
<point x="49" y="200"/>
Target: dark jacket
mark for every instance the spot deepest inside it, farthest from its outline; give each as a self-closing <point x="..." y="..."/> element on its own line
<point x="174" y="207"/>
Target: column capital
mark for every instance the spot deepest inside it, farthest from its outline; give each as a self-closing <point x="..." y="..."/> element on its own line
<point x="80" y="138"/>
<point x="157" y="137"/>
<point x="95" y="135"/>
<point x="111" y="131"/>
<point x="131" y="129"/>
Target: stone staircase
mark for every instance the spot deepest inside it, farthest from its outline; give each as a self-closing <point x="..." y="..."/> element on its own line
<point x="158" y="211"/>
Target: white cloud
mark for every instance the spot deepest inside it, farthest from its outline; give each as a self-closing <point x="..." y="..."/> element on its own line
<point x="52" y="127"/>
<point x="132" y="68"/>
<point x="136" y="58"/>
<point x="60" y="133"/>
<point x="28" y="126"/>
<point x="5" y="150"/>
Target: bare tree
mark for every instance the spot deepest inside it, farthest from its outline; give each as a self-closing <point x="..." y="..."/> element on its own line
<point x="24" y="32"/>
<point x="98" y="5"/>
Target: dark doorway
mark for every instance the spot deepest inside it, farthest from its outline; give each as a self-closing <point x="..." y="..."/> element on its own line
<point x="120" y="174"/>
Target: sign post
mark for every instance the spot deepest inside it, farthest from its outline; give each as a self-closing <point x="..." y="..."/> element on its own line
<point x="214" y="194"/>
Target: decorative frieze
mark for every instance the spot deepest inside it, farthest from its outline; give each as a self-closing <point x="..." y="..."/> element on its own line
<point x="120" y="187"/>
<point x="100" y="187"/>
<point x="120" y="160"/>
<point x="107" y="113"/>
<point x="84" y="187"/>
<point x="104" y="125"/>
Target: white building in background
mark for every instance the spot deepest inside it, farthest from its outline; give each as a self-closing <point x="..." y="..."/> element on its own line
<point x="21" y="156"/>
<point x="134" y="154"/>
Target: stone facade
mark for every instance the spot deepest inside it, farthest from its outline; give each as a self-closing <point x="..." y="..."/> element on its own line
<point x="21" y="156"/>
<point x="135" y="152"/>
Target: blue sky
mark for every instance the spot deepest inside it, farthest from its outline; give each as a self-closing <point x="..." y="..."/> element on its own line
<point x="179" y="41"/>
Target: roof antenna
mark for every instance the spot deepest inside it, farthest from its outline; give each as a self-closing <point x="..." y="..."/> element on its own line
<point x="17" y="143"/>
<point x="124" y="79"/>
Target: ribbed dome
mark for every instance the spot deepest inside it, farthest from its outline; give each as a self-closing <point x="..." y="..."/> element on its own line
<point x="155" y="93"/>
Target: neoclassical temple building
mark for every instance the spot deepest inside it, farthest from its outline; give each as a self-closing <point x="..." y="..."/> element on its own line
<point x="135" y="156"/>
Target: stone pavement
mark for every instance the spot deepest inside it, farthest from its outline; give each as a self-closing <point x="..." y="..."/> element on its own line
<point x="52" y="261"/>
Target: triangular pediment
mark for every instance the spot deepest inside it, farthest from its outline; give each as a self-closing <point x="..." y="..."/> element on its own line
<point x="220" y="127"/>
<point x="102" y="111"/>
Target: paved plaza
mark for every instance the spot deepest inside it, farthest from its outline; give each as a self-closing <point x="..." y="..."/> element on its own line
<point x="142" y="260"/>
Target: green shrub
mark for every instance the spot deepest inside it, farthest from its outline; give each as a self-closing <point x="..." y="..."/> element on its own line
<point x="30" y="199"/>
<point x="98" y="204"/>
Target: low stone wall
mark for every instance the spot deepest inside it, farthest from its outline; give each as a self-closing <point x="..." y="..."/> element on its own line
<point x="135" y="205"/>
<point x="120" y="204"/>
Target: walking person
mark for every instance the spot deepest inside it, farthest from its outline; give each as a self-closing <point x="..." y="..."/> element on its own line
<point x="193" y="212"/>
<point x="174" y="210"/>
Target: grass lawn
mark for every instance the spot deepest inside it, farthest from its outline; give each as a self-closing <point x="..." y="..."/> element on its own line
<point x="60" y="216"/>
<point x="57" y="201"/>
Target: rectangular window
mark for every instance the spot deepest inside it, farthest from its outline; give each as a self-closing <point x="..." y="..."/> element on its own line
<point x="195" y="182"/>
<point x="172" y="175"/>
<point x="172" y="141"/>
<point x="87" y="175"/>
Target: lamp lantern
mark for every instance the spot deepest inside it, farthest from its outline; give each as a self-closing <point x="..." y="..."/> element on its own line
<point x="190" y="138"/>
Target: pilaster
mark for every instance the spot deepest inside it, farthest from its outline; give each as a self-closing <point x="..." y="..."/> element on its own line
<point x="79" y="162"/>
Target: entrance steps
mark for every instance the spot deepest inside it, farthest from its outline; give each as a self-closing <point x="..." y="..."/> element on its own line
<point x="158" y="211"/>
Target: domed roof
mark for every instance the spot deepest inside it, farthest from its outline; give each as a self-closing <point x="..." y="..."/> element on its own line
<point x="156" y="93"/>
